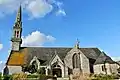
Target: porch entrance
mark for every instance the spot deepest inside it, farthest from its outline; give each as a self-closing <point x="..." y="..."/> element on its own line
<point x="57" y="72"/>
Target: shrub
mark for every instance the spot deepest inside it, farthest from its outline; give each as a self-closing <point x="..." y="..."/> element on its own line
<point x="80" y="76"/>
<point x="41" y="71"/>
<point x="115" y="76"/>
<point x="7" y="77"/>
<point x="19" y="76"/>
<point x="44" y="77"/>
<point x="104" y="77"/>
<point x="0" y="76"/>
<point x="32" y="76"/>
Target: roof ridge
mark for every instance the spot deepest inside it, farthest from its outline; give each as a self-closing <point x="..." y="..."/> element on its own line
<point x="46" y="47"/>
<point x="61" y="47"/>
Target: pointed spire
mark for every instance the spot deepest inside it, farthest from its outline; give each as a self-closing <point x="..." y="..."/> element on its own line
<point x="18" y="21"/>
<point x="18" y="18"/>
<point x="77" y="44"/>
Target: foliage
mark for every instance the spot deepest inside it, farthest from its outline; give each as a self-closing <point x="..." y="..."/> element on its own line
<point x="32" y="76"/>
<point x="29" y="68"/>
<point x="44" y="77"/>
<point x="19" y="76"/>
<point x="7" y="77"/>
<point x="79" y="76"/>
<point x="0" y="76"/>
<point x="105" y="77"/>
<point x="40" y="76"/>
<point x="41" y="71"/>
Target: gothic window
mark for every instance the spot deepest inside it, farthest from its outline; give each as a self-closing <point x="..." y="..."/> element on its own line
<point x="75" y="61"/>
<point x="17" y="34"/>
<point x="103" y="68"/>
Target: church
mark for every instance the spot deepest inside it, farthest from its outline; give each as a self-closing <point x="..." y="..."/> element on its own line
<point x="59" y="61"/>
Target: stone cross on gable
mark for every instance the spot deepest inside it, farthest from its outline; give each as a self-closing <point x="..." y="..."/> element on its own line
<point x="77" y="44"/>
<point x="55" y="52"/>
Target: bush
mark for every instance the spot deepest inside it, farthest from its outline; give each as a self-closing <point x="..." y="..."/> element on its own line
<point x="105" y="77"/>
<point x="0" y="76"/>
<point x="44" y="77"/>
<point x="19" y="76"/>
<point x="115" y="76"/>
<point x="41" y="71"/>
<point x="7" y="77"/>
<point x="40" y="76"/>
<point x="32" y="76"/>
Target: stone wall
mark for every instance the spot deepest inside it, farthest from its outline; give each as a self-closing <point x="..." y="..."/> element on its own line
<point x="98" y="69"/>
<point x="85" y="64"/>
<point x="15" y="46"/>
<point x="114" y="68"/>
<point x="83" y="60"/>
<point x="66" y="71"/>
<point x="111" y="68"/>
<point x="14" y="69"/>
<point x="69" y="56"/>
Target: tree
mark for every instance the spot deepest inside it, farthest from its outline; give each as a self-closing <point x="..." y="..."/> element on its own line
<point x="41" y="70"/>
<point x="29" y="68"/>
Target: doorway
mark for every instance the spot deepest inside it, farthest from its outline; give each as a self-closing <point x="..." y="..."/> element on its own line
<point x="57" y="72"/>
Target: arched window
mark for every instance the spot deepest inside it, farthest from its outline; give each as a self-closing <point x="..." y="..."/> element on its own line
<point x="17" y="34"/>
<point x="75" y="61"/>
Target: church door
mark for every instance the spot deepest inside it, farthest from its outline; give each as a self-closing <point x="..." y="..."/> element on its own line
<point x="56" y="70"/>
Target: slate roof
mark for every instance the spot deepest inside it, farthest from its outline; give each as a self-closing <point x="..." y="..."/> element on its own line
<point x="118" y="62"/>
<point x="46" y="53"/>
<point x="92" y="53"/>
<point x="103" y="58"/>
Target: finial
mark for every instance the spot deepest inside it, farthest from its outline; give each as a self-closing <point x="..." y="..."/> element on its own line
<point x="77" y="43"/>
<point x="18" y="18"/>
<point x="55" y="52"/>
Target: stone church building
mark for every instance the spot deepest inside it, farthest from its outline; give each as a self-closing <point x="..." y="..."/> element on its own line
<point x="60" y="61"/>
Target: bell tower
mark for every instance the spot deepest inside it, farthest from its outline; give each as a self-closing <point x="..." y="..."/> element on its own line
<point x="17" y="30"/>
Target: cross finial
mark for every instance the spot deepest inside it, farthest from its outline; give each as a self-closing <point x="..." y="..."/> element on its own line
<point x="77" y="43"/>
<point x="55" y="52"/>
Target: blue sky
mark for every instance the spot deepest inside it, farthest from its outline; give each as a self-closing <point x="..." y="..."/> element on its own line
<point x="96" y="23"/>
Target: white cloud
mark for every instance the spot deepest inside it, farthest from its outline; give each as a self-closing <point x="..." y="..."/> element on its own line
<point x="34" y="8"/>
<point x="61" y="12"/>
<point x="2" y="64"/>
<point x="1" y="46"/>
<point x="36" y="39"/>
<point x="116" y="58"/>
<point x="39" y="8"/>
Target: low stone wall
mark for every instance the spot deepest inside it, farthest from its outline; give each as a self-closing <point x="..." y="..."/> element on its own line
<point x="79" y="76"/>
<point x="62" y="78"/>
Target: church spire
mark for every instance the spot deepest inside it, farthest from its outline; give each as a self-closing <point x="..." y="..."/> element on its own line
<point x="17" y="31"/>
<point x="18" y="21"/>
<point x="18" y="18"/>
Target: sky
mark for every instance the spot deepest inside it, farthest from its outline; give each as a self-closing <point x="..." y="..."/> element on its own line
<point x="58" y="23"/>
